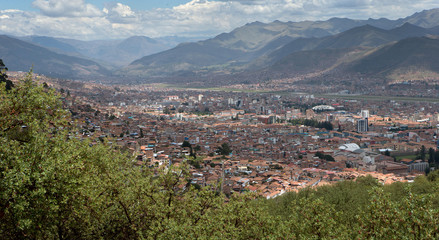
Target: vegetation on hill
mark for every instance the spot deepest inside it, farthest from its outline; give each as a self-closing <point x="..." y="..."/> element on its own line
<point x="54" y="185"/>
<point x="363" y="209"/>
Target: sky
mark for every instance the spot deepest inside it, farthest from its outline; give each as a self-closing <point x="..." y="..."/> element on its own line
<point x="107" y="19"/>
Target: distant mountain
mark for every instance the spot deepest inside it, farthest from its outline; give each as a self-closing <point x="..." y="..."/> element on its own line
<point x="360" y="36"/>
<point x="258" y="50"/>
<point x="136" y="44"/>
<point x="367" y="36"/>
<point x="51" y="43"/>
<point x="172" y="41"/>
<point x="405" y="60"/>
<point x="111" y="53"/>
<point x="120" y="53"/>
<point x="425" y="19"/>
<point x="227" y="50"/>
<point x="364" y="36"/>
<point x="256" y="45"/>
<point x="408" y="56"/>
<point x="304" y="62"/>
<point x="19" y="55"/>
<point x="408" y="30"/>
<point x="183" y="58"/>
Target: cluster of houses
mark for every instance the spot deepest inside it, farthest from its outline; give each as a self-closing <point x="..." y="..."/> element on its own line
<point x="269" y="155"/>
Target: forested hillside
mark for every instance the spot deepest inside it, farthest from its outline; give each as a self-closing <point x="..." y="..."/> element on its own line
<point x="53" y="185"/>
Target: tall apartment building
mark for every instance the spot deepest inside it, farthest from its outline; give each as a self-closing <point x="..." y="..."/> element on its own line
<point x="363" y="124"/>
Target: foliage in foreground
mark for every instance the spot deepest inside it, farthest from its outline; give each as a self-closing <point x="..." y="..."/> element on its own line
<point x="55" y="186"/>
<point x="363" y="209"/>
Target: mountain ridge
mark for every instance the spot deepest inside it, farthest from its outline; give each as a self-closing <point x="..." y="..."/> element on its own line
<point x="110" y="53"/>
<point x="254" y="47"/>
<point x="19" y="55"/>
<point x="255" y="40"/>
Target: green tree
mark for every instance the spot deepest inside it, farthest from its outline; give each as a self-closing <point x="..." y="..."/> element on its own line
<point x="314" y="219"/>
<point x="37" y="179"/>
<point x="319" y="155"/>
<point x="192" y="153"/>
<point x="224" y="149"/>
<point x="4" y="77"/>
<point x="436" y="157"/>
<point x="422" y="153"/>
<point x="166" y="110"/>
<point x="197" y="148"/>
<point x="326" y="157"/>
<point x="186" y="144"/>
<point x="312" y="123"/>
<point x="431" y="156"/>
<point x="412" y="217"/>
<point x="433" y="176"/>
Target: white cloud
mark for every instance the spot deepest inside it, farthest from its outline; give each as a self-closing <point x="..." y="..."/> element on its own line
<point x="67" y="8"/>
<point x="123" y="10"/>
<point x="78" y="19"/>
<point x="11" y="11"/>
<point x="119" y="13"/>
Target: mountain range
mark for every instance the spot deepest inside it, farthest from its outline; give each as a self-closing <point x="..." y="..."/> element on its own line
<point x="418" y="55"/>
<point x="258" y="45"/>
<point x="416" y="58"/>
<point x="363" y="36"/>
<point x="276" y="49"/>
<point x="21" y="56"/>
<point x="110" y="53"/>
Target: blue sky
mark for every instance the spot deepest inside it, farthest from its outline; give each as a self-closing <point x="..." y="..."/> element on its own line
<point x="135" y="4"/>
<point x="117" y="19"/>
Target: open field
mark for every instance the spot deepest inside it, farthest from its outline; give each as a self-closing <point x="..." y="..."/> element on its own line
<point x="378" y="98"/>
<point x="333" y="96"/>
<point x="399" y="158"/>
<point x="218" y="89"/>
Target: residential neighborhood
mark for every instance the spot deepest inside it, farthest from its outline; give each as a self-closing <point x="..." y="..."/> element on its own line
<point x="275" y="144"/>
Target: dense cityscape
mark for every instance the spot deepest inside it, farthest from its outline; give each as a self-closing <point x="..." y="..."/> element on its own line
<point x="274" y="140"/>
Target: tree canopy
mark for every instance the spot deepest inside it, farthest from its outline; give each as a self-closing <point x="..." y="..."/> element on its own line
<point x="326" y="157"/>
<point x="4" y="77"/>
<point x="224" y="149"/>
<point x="312" y="123"/>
